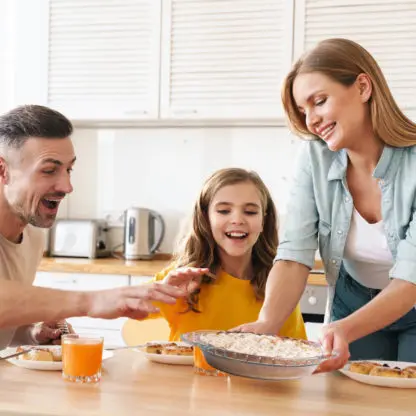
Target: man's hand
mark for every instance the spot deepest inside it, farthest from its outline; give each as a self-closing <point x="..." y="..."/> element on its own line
<point x="130" y="301"/>
<point x="186" y="278"/>
<point x="334" y="341"/>
<point x="49" y="332"/>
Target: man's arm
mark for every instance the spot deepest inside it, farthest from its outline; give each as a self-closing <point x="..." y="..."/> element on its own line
<point x="23" y="304"/>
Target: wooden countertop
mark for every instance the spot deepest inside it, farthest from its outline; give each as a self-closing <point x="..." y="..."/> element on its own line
<point x="132" y="385"/>
<point x="125" y="267"/>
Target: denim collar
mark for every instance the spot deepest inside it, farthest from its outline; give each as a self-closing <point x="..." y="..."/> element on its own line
<point x="339" y="165"/>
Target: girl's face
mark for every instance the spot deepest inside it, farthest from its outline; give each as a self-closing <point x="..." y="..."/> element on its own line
<point x="236" y="219"/>
<point x="337" y="114"/>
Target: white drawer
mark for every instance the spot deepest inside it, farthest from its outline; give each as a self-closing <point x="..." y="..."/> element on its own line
<point x="85" y="322"/>
<point x="83" y="282"/>
<point x="111" y="338"/>
<point x="139" y="280"/>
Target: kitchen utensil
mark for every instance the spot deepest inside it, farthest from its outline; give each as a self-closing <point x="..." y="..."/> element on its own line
<point x="11" y="353"/>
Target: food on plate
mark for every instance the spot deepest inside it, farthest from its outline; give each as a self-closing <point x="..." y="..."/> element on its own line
<point x="363" y="367"/>
<point x="381" y="370"/>
<point x="40" y="354"/>
<point x="262" y="345"/>
<point x="170" y="348"/>
<point x="385" y="372"/>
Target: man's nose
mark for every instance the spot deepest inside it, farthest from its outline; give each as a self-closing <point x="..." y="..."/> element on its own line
<point x="64" y="185"/>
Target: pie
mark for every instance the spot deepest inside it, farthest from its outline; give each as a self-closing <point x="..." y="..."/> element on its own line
<point x="270" y="346"/>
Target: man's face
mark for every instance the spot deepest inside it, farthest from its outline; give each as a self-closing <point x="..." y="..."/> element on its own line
<point x="36" y="179"/>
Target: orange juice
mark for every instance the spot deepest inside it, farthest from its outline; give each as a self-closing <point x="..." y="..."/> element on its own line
<point x="82" y="358"/>
<point x="202" y="367"/>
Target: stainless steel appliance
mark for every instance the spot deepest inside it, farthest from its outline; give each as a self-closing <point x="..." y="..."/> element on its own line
<point x="79" y="238"/>
<point x="144" y="230"/>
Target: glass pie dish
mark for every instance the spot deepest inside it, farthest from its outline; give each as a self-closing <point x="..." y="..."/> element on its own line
<point x="264" y="367"/>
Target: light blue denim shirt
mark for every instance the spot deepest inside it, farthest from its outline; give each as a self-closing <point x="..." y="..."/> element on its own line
<point x="320" y="209"/>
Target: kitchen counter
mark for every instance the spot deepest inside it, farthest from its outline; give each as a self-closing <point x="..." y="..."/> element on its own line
<point x="126" y="267"/>
<point x="132" y="385"/>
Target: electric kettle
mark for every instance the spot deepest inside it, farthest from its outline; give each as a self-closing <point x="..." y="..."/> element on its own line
<point x="140" y="240"/>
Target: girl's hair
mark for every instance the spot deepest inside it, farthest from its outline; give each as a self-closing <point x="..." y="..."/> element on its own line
<point x="343" y="60"/>
<point x="198" y="247"/>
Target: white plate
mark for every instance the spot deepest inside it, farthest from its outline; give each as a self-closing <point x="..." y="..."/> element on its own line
<point x="46" y="365"/>
<point x="404" y="383"/>
<point x="169" y="359"/>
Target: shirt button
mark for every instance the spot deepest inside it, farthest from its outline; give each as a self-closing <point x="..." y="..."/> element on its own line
<point x="347" y="200"/>
<point x="339" y="232"/>
<point x="334" y="261"/>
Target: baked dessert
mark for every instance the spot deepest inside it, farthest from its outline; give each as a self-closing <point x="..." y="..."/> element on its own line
<point x="170" y="348"/>
<point x="386" y="372"/>
<point x="40" y="354"/>
<point x="263" y="345"/>
<point x="363" y="367"/>
<point x="178" y="350"/>
<point x="411" y="367"/>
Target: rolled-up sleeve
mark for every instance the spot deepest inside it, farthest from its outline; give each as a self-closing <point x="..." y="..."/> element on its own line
<point x="299" y="239"/>
<point x="405" y="266"/>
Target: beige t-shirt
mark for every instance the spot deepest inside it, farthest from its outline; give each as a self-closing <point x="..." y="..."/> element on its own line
<point x="19" y="262"/>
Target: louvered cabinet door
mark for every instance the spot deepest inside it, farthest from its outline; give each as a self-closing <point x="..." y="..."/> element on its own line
<point x="224" y="59"/>
<point x="386" y="28"/>
<point x="91" y="59"/>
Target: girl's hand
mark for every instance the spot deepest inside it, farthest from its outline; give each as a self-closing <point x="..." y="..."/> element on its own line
<point x="334" y="340"/>
<point x="186" y="278"/>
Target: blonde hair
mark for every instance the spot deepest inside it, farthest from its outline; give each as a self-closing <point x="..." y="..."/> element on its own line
<point x="198" y="247"/>
<point x="343" y="60"/>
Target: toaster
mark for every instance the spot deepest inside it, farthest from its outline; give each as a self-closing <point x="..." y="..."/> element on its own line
<point x="79" y="238"/>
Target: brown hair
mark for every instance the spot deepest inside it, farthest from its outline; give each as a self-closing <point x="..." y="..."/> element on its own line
<point x="27" y="121"/>
<point x="343" y="60"/>
<point x="198" y="247"/>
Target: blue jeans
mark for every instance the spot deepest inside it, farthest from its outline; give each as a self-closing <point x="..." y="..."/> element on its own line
<point x="396" y="342"/>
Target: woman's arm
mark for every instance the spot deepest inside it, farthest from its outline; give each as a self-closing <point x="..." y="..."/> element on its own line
<point x="398" y="298"/>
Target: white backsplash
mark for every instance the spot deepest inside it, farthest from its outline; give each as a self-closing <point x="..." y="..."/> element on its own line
<point x="164" y="169"/>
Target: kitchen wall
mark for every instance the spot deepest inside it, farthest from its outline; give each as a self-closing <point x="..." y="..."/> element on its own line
<point x="164" y="169"/>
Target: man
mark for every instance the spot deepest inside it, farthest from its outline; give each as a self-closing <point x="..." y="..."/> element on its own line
<point x="36" y="159"/>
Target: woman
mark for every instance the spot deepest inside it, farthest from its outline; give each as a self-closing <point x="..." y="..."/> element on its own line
<point x="225" y="258"/>
<point x="354" y="197"/>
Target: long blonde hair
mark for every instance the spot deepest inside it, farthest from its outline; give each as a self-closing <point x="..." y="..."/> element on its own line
<point x="198" y="247"/>
<point x="343" y="60"/>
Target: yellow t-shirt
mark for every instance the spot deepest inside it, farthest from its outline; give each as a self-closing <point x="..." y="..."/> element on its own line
<point x="224" y="304"/>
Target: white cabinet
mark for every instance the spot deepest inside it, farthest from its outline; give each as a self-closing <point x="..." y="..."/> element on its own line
<point x="224" y="59"/>
<point x="92" y="60"/>
<point x="110" y="329"/>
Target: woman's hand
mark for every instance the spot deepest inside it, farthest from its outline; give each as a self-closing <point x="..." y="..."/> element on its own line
<point x="256" y="327"/>
<point x="334" y="340"/>
<point x="186" y="278"/>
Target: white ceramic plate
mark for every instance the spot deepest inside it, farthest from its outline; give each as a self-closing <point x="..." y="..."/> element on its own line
<point x="46" y="365"/>
<point x="403" y="383"/>
<point x="169" y="359"/>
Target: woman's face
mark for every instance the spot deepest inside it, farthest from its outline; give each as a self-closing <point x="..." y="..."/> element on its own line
<point x="337" y="114"/>
<point x="236" y="219"/>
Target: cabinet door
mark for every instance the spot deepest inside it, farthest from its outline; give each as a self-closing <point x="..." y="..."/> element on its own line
<point x="224" y="59"/>
<point x="386" y="29"/>
<point x="85" y="282"/>
<point x="94" y="60"/>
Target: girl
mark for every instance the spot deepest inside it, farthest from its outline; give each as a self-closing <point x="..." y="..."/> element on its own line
<point x="225" y="258"/>
<point x="354" y="196"/>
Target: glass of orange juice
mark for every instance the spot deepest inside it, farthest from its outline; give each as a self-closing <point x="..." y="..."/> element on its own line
<point x="202" y="367"/>
<point x="82" y="358"/>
